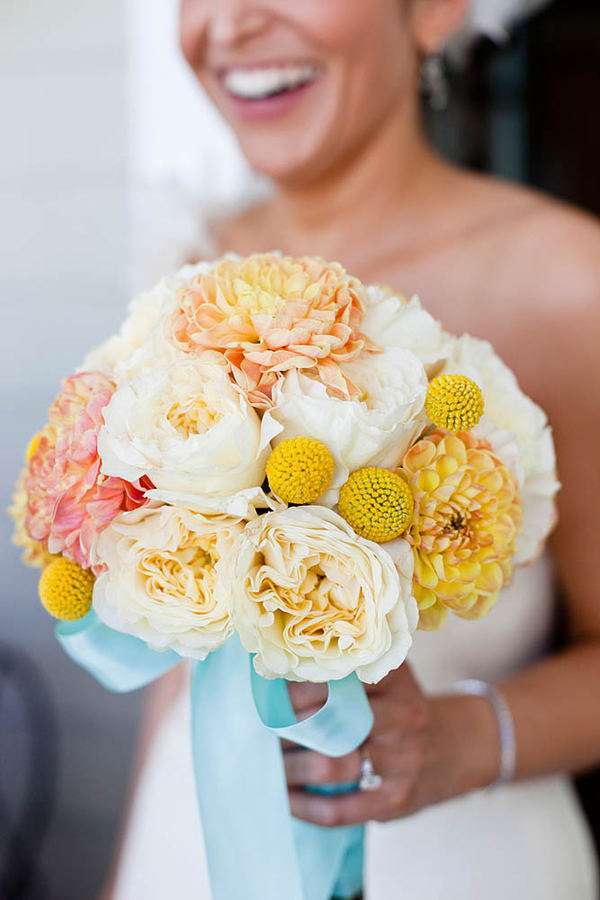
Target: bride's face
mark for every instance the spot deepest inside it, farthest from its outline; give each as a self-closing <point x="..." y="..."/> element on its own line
<point x="303" y="83"/>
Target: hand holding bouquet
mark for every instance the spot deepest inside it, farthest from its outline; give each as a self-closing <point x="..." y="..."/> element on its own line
<point x="272" y="450"/>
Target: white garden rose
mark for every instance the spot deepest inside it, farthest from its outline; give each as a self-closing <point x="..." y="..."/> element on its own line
<point x="375" y="430"/>
<point x="161" y="578"/>
<point x="244" y="504"/>
<point x="518" y="431"/>
<point x="391" y="320"/>
<point x="394" y="386"/>
<point x="187" y="428"/>
<point x="316" y="602"/>
<point x="141" y="343"/>
<point x="113" y="357"/>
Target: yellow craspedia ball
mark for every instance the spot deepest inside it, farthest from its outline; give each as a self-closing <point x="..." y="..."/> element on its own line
<point x="454" y="402"/>
<point x="377" y="503"/>
<point x="300" y="469"/>
<point x="32" y="446"/>
<point x="65" y="589"/>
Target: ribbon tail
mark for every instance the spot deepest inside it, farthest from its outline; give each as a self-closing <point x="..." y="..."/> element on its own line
<point x="330" y="859"/>
<point x="338" y="728"/>
<point x="254" y="848"/>
<point x="240" y="782"/>
<point x="120" y="662"/>
<point x="351" y="873"/>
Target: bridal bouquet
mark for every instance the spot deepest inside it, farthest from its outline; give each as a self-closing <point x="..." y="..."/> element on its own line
<point x="271" y="462"/>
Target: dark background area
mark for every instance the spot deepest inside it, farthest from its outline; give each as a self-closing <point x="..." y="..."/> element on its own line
<point x="527" y="111"/>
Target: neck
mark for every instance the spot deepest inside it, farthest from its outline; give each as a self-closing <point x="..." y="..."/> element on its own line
<point x="381" y="177"/>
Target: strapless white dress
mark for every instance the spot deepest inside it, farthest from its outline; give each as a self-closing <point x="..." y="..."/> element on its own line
<point x="526" y="840"/>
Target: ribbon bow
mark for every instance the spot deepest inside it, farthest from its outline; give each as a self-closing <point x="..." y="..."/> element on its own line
<point x="254" y="848"/>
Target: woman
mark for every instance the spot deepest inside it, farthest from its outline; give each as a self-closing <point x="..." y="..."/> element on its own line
<point x="323" y="98"/>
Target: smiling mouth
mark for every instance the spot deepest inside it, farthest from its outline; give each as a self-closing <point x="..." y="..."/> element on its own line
<point x="266" y="82"/>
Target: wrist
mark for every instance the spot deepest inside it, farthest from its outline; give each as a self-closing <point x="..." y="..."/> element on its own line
<point x="466" y="735"/>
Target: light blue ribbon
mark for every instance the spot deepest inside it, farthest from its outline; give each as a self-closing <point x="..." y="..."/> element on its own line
<point x="255" y="850"/>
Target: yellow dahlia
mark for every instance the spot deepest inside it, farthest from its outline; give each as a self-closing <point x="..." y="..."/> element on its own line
<point x="65" y="589"/>
<point x="377" y="503"/>
<point x="454" y="403"/>
<point x="300" y="469"/>
<point x="268" y="314"/>
<point x="467" y="516"/>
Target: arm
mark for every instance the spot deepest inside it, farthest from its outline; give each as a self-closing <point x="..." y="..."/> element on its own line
<point x="556" y="704"/>
<point x="430" y="749"/>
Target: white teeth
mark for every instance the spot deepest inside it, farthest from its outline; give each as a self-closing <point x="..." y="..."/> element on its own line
<point x="255" y="84"/>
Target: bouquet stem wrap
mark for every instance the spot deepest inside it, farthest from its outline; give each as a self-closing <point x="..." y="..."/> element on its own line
<point x="254" y="848"/>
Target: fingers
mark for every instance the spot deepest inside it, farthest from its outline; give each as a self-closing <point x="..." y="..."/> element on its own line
<point x="304" y="767"/>
<point x="306" y="696"/>
<point x="401" y="682"/>
<point x="343" y="809"/>
<point x="399" y="679"/>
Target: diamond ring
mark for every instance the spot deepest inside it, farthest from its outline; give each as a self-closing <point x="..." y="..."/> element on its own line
<point x="369" y="779"/>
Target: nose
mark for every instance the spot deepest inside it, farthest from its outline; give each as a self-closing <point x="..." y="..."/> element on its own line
<point x="235" y="21"/>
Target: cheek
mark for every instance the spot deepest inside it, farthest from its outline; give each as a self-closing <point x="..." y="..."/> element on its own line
<point x="374" y="75"/>
<point x="340" y="26"/>
<point x="193" y="22"/>
<point x="370" y="50"/>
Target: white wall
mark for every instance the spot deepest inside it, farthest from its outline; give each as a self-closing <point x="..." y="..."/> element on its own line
<point x="185" y="160"/>
<point x="63" y="286"/>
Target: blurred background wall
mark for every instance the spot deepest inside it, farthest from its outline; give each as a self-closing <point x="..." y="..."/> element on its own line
<point x="63" y="284"/>
<point x="79" y="137"/>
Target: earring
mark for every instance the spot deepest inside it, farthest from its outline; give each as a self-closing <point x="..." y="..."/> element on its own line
<point x="434" y="82"/>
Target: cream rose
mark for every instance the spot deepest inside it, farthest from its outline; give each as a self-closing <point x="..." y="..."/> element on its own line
<point x="315" y="602"/>
<point x="519" y="433"/>
<point x="391" y="320"/>
<point x="246" y="504"/>
<point x="161" y="582"/>
<point x="187" y="428"/>
<point x="114" y="357"/>
<point x="376" y="430"/>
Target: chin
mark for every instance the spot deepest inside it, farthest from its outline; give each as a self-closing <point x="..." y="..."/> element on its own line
<point x="283" y="160"/>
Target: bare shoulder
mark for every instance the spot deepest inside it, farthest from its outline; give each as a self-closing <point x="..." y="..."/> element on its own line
<point x="536" y="260"/>
<point x="561" y="246"/>
<point x="551" y="248"/>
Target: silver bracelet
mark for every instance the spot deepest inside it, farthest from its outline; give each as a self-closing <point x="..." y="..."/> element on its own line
<point x="504" y="720"/>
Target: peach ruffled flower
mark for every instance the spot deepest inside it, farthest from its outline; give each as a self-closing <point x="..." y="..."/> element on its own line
<point x="268" y="314"/>
<point x="467" y="516"/>
<point x="68" y="500"/>
<point x="34" y="553"/>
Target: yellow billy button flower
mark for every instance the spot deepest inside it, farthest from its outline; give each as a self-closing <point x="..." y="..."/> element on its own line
<point x="454" y="403"/>
<point x="377" y="503"/>
<point x="65" y="589"/>
<point x="300" y="469"/>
